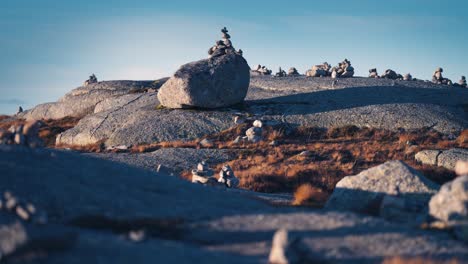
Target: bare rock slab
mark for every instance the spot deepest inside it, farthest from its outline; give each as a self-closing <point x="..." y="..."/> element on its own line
<point x="209" y="83"/>
<point x="442" y="158"/>
<point x="365" y="192"/>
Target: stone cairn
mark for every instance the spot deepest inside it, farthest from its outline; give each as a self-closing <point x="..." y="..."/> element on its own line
<point x="261" y="70"/>
<point x="321" y="70"/>
<point x="24" y="210"/>
<point x="293" y="72"/>
<point x="343" y="70"/>
<point x="280" y="73"/>
<point x="20" y="110"/>
<point x="227" y="177"/>
<point x="408" y="77"/>
<point x="254" y="134"/>
<point x="24" y="135"/>
<point x="462" y="82"/>
<point x="203" y="174"/>
<point x="392" y="75"/>
<point x="437" y="77"/>
<point x="223" y="46"/>
<point x="373" y="73"/>
<point x="92" y="79"/>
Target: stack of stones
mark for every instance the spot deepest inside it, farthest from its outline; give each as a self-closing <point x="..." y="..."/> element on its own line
<point x="373" y="73"/>
<point x="25" y="135"/>
<point x="437" y="77"/>
<point x="20" y="110"/>
<point x="254" y="134"/>
<point x="343" y="70"/>
<point x="261" y="70"/>
<point x="280" y="73"/>
<point x="92" y="79"/>
<point x="223" y="46"/>
<point x="321" y="70"/>
<point x="462" y="82"/>
<point x="391" y="74"/>
<point x="293" y="72"/>
<point x="407" y="77"/>
<point x="25" y="211"/>
<point x="202" y="174"/>
<point x="227" y="177"/>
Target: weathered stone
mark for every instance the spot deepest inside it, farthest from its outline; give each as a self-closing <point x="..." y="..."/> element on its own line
<point x="254" y="134"/>
<point x="390" y="74"/>
<point x="449" y="158"/>
<point x="451" y="202"/>
<point x="209" y="83"/>
<point x="206" y="143"/>
<point x="461" y="168"/>
<point x="428" y="157"/>
<point x="257" y="123"/>
<point x="365" y="191"/>
<point x="227" y="177"/>
<point x="293" y="72"/>
<point x="407" y="77"/>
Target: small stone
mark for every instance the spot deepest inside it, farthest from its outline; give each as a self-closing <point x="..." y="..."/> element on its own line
<point x="22" y="213"/>
<point x="206" y="143"/>
<point x="273" y="143"/>
<point x="305" y="153"/>
<point x="254" y="134"/>
<point x="257" y="123"/>
<point x="31" y="208"/>
<point x="239" y="120"/>
<point x="11" y="203"/>
<point x="137" y="235"/>
<point x="237" y="140"/>
<point x="461" y="168"/>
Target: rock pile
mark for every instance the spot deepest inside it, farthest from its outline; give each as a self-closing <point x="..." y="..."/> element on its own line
<point x="20" y="110"/>
<point x="391" y="74"/>
<point x="26" y="135"/>
<point x="462" y="82"/>
<point x="11" y="204"/>
<point x="280" y="73"/>
<point x="254" y="134"/>
<point x="92" y="79"/>
<point x="227" y="177"/>
<point x="223" y="46"/>
<point x="373" y="73"/>
<point x="220" y="81"/>
<point x="343" y="70"/>
<point x="321" y="70"/>
<point x="293" y="72"/>
<point x="261" y="70"/>
<point x="437" y="77"/>
<point x="202" y="174"/>
<point x="407" y="77"/>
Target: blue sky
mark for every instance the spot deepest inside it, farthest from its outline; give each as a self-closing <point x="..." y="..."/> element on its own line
<point x="49" y="47"/>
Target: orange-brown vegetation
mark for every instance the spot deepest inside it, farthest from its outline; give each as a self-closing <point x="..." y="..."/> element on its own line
<point x="417" y="260"/>
<point x="309" y="195"/>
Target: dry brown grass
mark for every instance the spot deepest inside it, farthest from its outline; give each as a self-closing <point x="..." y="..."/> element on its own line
<point x="309" y="195"/>
<point x="417" y="260"/>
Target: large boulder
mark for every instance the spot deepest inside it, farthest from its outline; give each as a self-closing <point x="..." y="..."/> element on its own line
<point x="209" y="83"/>
<point x="442" y="158"/>
<point x="451" y="202"/>
<point x="365" y="192"/>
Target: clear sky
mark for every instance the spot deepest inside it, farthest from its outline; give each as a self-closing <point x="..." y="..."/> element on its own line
<point x="49" y="47"/>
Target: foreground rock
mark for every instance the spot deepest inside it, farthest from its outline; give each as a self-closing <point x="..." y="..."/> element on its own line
<point x="451" y="202"/>
<point x="390" y="186"/>
<point x="103" y="202"/>
<point x="442" y="158"/>
<point x="219" y="81"/>
<point x="82" y="100"/>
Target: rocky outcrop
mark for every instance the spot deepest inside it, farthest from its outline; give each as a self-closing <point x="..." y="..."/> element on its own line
<point x="442" y="158"/>
<point x="366" y="191"/>
<point x="82" y="100"/>
<point x="451" y="202"/>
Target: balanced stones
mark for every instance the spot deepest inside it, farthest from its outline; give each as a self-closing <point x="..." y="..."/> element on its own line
<point x="293" y="72"/>
<point x="219" y="81"/>
<point x="92" y="79"/>
<point x="254" y="134"/>
<point x="227" y="177"/>
<point x="390" y="74"/>
<point x="320" y="70"/>
<point x="202" y="174"/>
<point x="23" y="134"/>
<point x="261" y="70"/>
<point x="462" y="81"/>
<point x="280" y="73"/>
<point x="407" y="77"/>
<point x="437" y="77"/>
<point x="373" y="73"/>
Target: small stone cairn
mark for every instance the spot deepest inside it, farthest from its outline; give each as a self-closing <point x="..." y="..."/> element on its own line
<point x="223" y="46"/>
<point x="321" y="70"/>
<point x="437" y="77"/>
<point x="254" y="134"/>
<point x="24" y="135"/>
<point x="462" y="82"/>
<point x="280" y="73"/>
<point x="20" y="110"/>
<point x="261" y="70"/>
<point x="373" y="73"/>
<point x="391" y="74"/>
<point x="343" y="70"/>
<point x="24" y="210"/>
<point x="92" y="79"/>
<point x="203" y="174"/>
<point x="408" y="77"/>
<point x="293" y="72"/>
<point x="227" y="177"/>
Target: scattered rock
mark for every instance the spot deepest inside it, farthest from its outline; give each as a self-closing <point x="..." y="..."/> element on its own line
<point x="321" y="70"/>
<point x="451" y="202"/>
<point x="206" y="143"/>
<point x="261" y="70"/>
<point x="442" y="158"/>
<point x="366" y="191"/>
<point x="428" y="157"/>
<point x="24" y="135"/>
